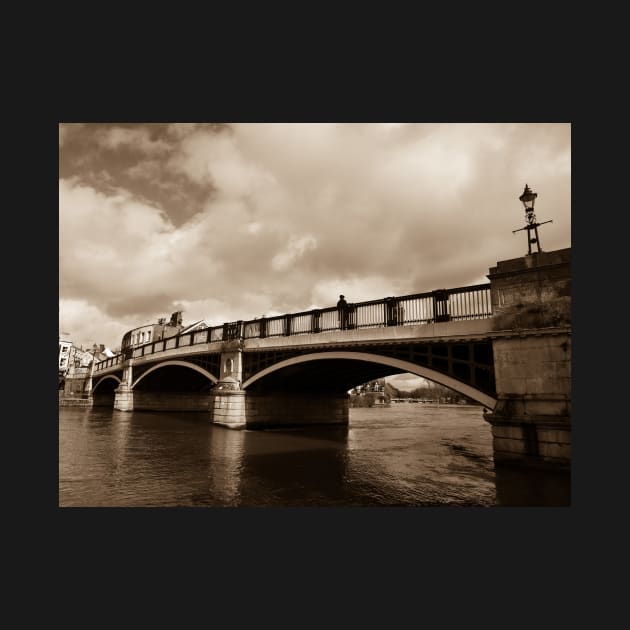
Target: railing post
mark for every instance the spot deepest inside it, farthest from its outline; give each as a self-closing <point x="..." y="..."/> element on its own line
<point x="287" y="325"/>
<point x="263" y="327"/>
<point x="391" y="305"/>
<point x="233" y="330"/>
<point x="440" y="306"/>
<point x="315" y="320"/>
<point x="392" y="311"/>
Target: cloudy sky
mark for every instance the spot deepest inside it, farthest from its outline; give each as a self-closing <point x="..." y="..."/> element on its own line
<point x="228" y="222"/>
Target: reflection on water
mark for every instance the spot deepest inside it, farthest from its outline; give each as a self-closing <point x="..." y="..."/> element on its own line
<point x="405" y="455"/>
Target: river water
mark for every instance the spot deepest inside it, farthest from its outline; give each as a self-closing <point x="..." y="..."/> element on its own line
<point x="404" y="455"/>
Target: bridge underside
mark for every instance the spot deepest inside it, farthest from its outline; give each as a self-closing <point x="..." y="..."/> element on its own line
<point x="324" y="377"/>
<point x="104" y="393"/>
<point x="172" y="378"/>
<point x="468" y="363"/>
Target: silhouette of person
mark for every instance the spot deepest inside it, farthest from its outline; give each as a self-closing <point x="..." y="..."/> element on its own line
<point x="342" y="312"/>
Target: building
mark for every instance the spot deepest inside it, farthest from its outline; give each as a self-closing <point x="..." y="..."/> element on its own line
<point x="80" y="357"/>
<point x="154" y="332"/>
<point x="65" y="346"/>
<point x="99" y="352"/>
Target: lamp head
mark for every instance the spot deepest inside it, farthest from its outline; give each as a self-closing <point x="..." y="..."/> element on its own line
<point x="528" y="198"/>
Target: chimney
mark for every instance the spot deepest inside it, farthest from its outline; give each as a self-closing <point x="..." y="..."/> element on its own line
<point x="176" y="318"/>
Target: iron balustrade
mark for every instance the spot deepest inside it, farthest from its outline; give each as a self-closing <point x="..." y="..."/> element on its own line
<point x="443" y="305"/>
<point x="200" y="336"/>
<point x="275" y="326"/>
<point x="251" y="330"/>
<point x="111" y="362"/>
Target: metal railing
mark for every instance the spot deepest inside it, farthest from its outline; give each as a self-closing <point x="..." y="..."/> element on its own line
<point x="443" y="305"/>
<point x="111" y="362"/>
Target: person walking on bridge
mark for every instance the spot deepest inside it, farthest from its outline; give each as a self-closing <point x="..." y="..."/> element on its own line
<point x="342" y="312"/>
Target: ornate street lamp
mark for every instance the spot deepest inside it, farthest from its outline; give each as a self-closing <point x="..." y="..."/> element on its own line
<point x="528" y="198"/>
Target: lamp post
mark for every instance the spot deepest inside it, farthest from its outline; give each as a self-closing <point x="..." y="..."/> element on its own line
<point x="528" y="198"/>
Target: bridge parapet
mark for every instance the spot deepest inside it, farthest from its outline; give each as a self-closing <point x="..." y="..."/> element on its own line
<point x="113" y="363"/>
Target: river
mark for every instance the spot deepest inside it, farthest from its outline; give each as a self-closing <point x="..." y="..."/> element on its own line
<point x="407" y="454"/>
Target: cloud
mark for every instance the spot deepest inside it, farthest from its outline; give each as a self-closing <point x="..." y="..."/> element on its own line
<point x="295" y="249"/>
<point x="136" y="139"/>
<point x="89" y="325"/>
<point x="66" y="130"/>
<point x="406" y="382"/>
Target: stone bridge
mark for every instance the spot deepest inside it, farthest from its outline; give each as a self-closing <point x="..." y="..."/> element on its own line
<point x="506" y="344"/>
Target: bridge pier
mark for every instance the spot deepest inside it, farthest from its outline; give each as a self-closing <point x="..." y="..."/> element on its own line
<point x="227" y="408"/>
<point x="292" y="410"/>
<point x="227" y="401"/>
<point x="531" y="422"/>
<point x="238" y="409"/>
<point x="123" y="394"/>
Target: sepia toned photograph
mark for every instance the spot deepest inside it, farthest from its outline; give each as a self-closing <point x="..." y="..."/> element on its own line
<point x="314" y="315"/>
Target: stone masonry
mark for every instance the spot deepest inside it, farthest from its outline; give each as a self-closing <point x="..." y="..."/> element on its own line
<point x="531" y="422"/>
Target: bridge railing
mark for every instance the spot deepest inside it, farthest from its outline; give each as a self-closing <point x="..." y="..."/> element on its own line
<point x="444" y="305"/>
<point x="107" y="363"/>
<point x="462" y="303"/>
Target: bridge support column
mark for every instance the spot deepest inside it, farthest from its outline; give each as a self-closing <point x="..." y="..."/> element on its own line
<point x="266" y="411"/>
<point x="227" y="401"/>
<point x="227" y="407"/>
<point x="237" y="409"/>
<point x="531" y="423"/>
<point x="123" y="394"/>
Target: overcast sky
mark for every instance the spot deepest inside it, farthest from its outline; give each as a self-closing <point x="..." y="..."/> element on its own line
<point x="228" y="222"/>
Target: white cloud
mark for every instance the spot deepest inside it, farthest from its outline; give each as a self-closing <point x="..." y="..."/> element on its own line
<point x="295" y="249"/>
<point x="89" y="325"/>
<point x="406" y="382"/>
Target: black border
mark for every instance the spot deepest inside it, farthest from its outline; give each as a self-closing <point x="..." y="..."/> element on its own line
<point x="511" y="547"/>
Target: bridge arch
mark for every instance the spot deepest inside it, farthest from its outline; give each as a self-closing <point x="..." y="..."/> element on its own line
<point x="405" y="366"/>
<point x="192" y="366"/>
<point x="104" y="378"/>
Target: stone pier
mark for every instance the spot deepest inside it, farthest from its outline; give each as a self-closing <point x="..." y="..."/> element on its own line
<point x="531" y="297"/>
<point x="123" y="399"/>
<point x="227" y="406"/>
<point x="238" y="409"/>
<point x="295" y="410"/>
<point x="227" y="401"/>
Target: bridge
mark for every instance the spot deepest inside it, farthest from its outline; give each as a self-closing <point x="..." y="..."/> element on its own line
<point x="505" y="344"/>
